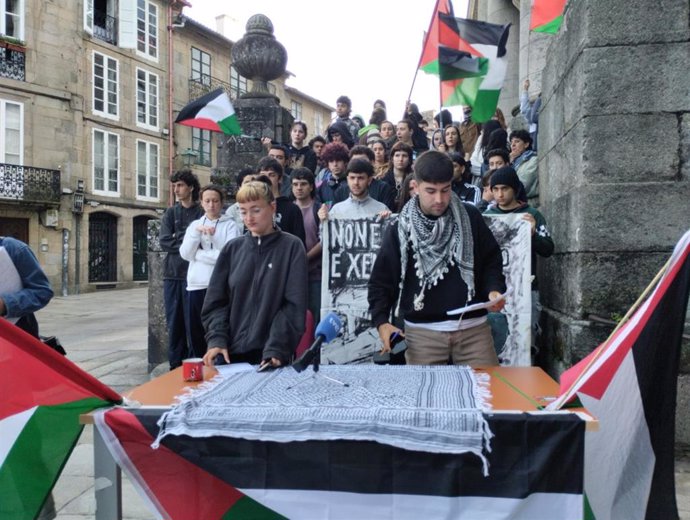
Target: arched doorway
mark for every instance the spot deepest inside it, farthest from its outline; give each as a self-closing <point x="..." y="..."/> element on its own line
<point x="140" y="246"/>
<point x="102" y="247"/>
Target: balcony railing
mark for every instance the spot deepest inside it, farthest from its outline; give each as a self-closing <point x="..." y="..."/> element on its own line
<point x="205" y="84"/>
<point x="29" y="184"/>
<point x="105" y="27"/>
<point x="12" y="61"/>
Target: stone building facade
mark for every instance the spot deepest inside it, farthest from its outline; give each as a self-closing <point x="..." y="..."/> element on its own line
<point x="88" y="93"/>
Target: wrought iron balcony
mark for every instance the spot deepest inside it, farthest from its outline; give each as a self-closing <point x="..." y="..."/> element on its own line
<point x="105" y="27"/>
<point x="12" y="61"/>
<point x="29" y="184"/>
<point x="205" y="84"/>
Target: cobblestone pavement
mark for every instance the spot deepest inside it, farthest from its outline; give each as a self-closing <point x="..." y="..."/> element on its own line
<point x="105" y="333"/>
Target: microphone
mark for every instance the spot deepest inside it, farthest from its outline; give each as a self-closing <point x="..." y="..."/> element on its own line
<point x="326" y="331"/>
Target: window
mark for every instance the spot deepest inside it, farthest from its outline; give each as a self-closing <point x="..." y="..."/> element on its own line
<point x="147" y="170"/>
<point x="147" y="99"/>
<point x="11" y="132"/>
<point x="147" y="28"/>
<point x="318" y="123"/>
<point x="106" y="152"/>
<point x="105" y="88"/>
<point x="12" y="18"/>
<point x="201" y="66"/>
<point x="296" y="109"/>
<point x="238" y="84"/>
<point x="201" y="144"/>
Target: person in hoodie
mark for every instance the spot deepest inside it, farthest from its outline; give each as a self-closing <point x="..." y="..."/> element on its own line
<point x="202" y="242"/>
<point x="337" y="132"/>
<point x="256" y="301"/>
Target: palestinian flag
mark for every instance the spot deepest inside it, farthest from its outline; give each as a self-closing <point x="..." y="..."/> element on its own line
<point x="438" y="34"/>
<point x="629" y="384"/>
<point x="221" y="478"/>
<point x="456" y="64"/>
<point x="213" y="111"/>
<point x="547" y="16"/>
<point x="43" y="395"/>
<point x="485" y="41"/>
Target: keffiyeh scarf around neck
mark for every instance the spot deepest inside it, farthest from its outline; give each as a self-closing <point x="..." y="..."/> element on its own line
<point x="437" y="245"/>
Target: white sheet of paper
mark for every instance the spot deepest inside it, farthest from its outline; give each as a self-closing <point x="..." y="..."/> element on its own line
<point x="233" y="368"/>
<point x="9" y="277"/>
<point x="477" y="306"/>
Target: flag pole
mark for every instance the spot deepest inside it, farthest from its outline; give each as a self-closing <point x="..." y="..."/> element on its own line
<point x="622" y="322"/>
<point x="421" y="55"/>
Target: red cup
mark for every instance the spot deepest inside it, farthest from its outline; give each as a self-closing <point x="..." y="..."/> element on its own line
<point x="193" y="369"/>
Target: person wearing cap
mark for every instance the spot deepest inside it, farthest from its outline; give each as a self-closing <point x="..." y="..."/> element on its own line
<point x="438" y="256"/>
<point x="505" y="186"/>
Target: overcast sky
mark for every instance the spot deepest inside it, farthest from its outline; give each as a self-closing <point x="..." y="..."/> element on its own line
<point x="366" y="49"/>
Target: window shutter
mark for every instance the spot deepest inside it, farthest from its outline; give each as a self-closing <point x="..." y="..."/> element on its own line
<point x="127" y="24"/>
<point x="88" y="16"/>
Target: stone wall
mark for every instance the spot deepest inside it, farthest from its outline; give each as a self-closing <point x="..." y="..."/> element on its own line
<point x="614" y="141"/>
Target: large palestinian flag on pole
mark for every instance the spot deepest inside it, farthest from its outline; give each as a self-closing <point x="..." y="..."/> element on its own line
<point x="629" y="384"/>
<point x="221" y="478"/>
<point x="486" y="42"/>
<point x="43" y="395"/>
<point x="547" y="16"/>
<point x="212" y="111"/>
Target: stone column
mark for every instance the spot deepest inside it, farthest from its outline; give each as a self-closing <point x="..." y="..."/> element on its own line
<point x="260" y="57"/>
<point x="532" y="50"/>
<point x="158" y="332"/>
<point x="614" y="142"/>
<point x="503" y="12"/>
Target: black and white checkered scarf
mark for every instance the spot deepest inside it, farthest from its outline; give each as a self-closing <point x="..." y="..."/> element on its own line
<point x="437" y="245"/>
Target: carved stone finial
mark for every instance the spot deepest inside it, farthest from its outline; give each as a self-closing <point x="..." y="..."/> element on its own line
<point x="258" y="56"/>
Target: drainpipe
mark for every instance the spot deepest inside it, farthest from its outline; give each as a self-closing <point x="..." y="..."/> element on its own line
<point x="171" y="140"/>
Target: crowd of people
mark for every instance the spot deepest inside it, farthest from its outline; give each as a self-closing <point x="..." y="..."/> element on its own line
<point x="241" y="281"/>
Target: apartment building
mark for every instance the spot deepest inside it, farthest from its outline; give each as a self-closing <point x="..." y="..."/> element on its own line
<point x="88" y="93"/>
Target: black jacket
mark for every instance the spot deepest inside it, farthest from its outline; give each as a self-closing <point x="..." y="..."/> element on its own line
<point x="173" y="226"/>
<point x="450" y="292"/>
<point x="257" y="296"/>
<point x="289" y="218"/>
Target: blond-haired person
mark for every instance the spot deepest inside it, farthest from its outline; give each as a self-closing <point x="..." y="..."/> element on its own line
<point x="256" y="302"/>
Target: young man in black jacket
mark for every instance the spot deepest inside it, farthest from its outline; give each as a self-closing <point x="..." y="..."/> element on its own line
<point x="173" y="226"/>
<point x="438" y="256"/>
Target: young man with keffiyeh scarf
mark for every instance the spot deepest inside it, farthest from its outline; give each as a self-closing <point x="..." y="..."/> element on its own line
<point x="438" y="256"/>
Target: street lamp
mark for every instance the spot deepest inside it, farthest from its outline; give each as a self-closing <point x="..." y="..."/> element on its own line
<point x="189" y="155"/>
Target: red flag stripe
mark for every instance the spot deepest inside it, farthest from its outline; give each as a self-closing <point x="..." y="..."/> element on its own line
<point x="53" y="378"/>
<point x="181" y="488"/>
<point x="202" y="123"/>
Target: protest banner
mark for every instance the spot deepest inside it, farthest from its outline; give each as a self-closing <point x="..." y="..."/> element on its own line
<point x="350" y="248"/>
<point x="514" y="322"/>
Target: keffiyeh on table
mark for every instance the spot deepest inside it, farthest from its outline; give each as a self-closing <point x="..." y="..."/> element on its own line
<point x="434" y="409"/>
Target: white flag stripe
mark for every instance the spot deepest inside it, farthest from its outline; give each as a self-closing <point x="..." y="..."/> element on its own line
<point x="619" y="459"/>
<point x="334" y="505"/>
<point x="218" y="109"/>
<point x="10" y="429"/>
<point x="497" y="67"/>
